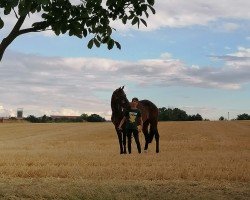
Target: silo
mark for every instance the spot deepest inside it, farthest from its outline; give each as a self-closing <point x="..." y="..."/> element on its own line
<point x="19" y="113"/>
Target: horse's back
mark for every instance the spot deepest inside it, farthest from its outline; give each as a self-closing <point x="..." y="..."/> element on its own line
<point x="149" y="110"/>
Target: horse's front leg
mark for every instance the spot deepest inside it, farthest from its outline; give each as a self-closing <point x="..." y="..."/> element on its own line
<point x="124" y="135"/>
<point x="120" y="138"/>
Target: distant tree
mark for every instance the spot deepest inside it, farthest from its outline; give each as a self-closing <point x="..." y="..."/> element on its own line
<point x="196" y="117"/>
<point x="179" y="115"/>
<point x="243" y="117"/>
<point x="164" y="114"/>
<point x="222" y="118"/>
<point x="176" y="114"/>
<point x="45" y="119"/>
<point x="32" y="118"/>
<point x="95" y="118"/>
<point x="84" y="117"/>
<point x="88" y="17"/>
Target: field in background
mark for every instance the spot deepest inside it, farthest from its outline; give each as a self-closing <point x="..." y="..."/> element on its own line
<point x="197" y="160"/>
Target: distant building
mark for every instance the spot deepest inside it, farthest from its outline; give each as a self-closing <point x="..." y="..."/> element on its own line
<point x="19" y="113"/>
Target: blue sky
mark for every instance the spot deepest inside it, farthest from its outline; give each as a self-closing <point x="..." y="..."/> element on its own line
<point x="193" y="55"/>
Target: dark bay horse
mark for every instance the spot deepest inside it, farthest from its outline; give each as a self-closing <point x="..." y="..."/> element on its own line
<point x="119" y="103"/>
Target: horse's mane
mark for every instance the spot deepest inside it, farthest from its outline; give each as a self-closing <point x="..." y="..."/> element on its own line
<point x="116" y="107"/>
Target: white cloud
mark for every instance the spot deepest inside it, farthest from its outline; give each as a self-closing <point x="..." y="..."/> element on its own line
<point x="5" y="112"/>
<point x="178" y="13"/>
<point x="53" y="85"/>
<point x="181" y="13"/>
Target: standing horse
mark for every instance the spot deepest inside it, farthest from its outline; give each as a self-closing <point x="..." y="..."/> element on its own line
<point x="119" y="103"/>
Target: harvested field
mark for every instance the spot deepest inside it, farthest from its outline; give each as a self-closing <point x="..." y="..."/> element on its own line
<point x="197" y="160"/>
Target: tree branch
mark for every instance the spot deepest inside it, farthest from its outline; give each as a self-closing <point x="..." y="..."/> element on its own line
<point x="29" y="30"/>
<point x="15" y="13"/>
<point x="18" y="25"/>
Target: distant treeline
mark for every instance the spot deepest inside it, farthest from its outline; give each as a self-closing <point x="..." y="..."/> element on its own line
<point x="176" y="114"/>
<point x="82" y="118"/>
<point x="165" y="114"/>
<point x="243" y="116"/>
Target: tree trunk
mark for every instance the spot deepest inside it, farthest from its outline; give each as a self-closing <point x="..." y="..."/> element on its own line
<point x="5" y="43"/>
<point x="13" y="34"/>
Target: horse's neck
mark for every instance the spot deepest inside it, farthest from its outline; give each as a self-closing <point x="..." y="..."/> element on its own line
<point x="117" y="109"/>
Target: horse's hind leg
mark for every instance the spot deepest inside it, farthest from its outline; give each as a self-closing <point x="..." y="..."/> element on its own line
<point x="146" y="135"/>
<point x="154" y="133"/>
<point x="157" y="139"/>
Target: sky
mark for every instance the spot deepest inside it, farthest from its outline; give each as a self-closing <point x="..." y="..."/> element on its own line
<point x="193" y="55"/>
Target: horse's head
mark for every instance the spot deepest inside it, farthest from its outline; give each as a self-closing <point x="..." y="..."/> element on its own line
<point x="120" y="97"/>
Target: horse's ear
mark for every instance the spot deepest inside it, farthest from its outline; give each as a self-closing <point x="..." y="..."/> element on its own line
<point x="122" y="87"/>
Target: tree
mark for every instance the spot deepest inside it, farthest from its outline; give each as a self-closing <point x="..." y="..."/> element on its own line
<point x="95" y="118"/>
<point x="196" y="117"/>
<point x="243" y="117"/>
<point x="84" y="117"/>
<point x="32" y="118"/>
<point x="176" y="114"/>
<point x="222" y="118"/>
<point x="89" y="17"/>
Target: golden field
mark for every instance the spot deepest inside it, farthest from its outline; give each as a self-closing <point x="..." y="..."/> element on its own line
<point x="197" y="160"/>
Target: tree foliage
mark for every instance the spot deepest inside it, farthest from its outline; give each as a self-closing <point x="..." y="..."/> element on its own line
<point x="243" y="116"/>
<point x="82" y="118"/>
<point x="176" y="114"/>
<point x="95" y="118"/>
<point x="88" y="17"/>
<point x="222" y="118"/>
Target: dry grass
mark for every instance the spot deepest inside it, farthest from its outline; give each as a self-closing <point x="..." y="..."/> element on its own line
<point x="82" y="161"/>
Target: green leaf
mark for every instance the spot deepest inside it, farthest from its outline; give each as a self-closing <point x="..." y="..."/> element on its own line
<point x="7" y="10"/>
<point x="144" y="22"/>
<point x="85" y="32"/>
<point x="118" y="45"/>
<point x="109" y="30"/>
<point x="152" y="9"/>
<point x="106" y="39"/>
<point x="1" y="23"/>
<point x="96" y="42"/>
<point x="44" y="2"/>
<point x="135" y="20"/>
<point x="14" y="3"/>
<point x="124" y="19"/>
<point x="90" y="44"/>
<point x="99" y="38"/>
<point x="151" y="2"/>
<point x="111" y="44"/>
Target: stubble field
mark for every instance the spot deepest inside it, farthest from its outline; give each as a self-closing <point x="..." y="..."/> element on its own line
<point x="197" y="160"/>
